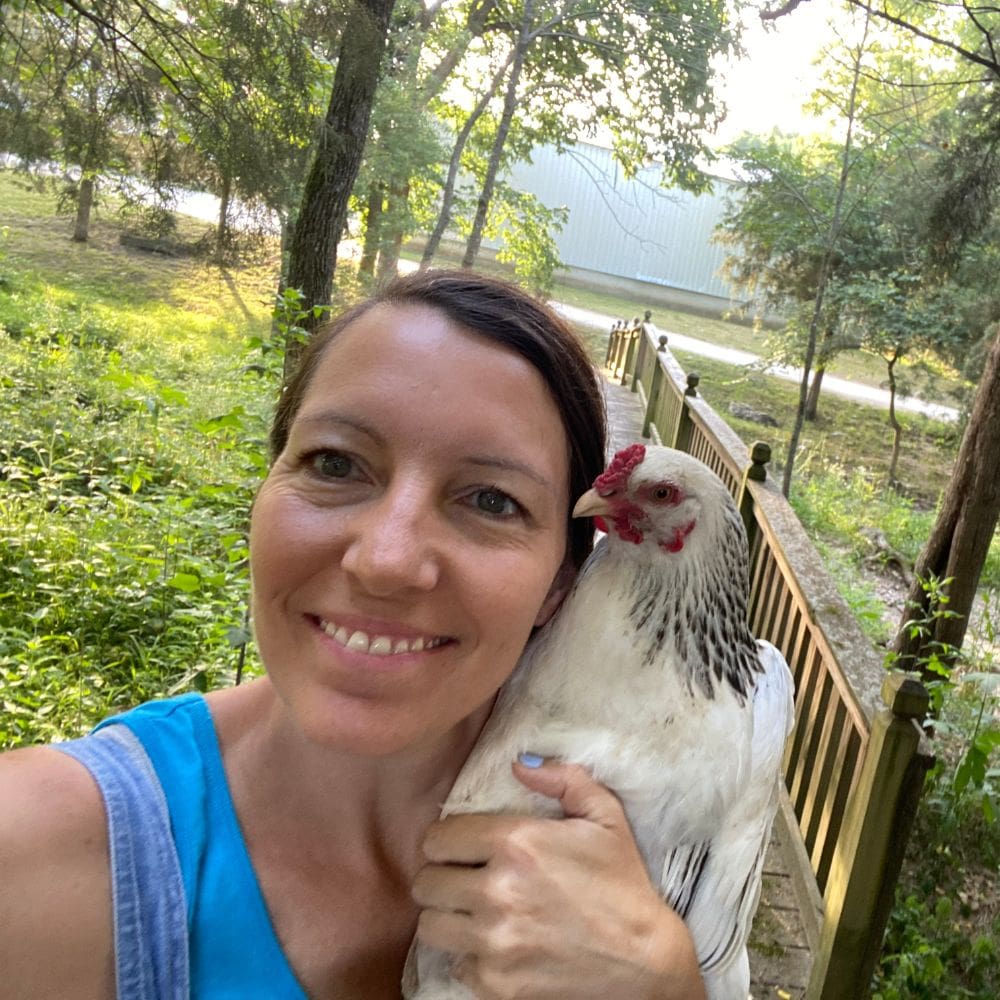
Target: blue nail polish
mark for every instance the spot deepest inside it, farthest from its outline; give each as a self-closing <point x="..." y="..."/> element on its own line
<point x="530" y="759"/>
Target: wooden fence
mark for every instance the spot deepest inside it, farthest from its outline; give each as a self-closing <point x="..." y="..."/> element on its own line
<point x="856" y="758"/>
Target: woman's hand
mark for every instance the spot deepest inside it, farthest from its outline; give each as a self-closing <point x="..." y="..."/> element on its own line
<point x="548" y="908"/>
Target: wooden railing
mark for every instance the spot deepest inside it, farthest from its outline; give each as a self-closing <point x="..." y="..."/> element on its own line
<point x="856" y="759"/>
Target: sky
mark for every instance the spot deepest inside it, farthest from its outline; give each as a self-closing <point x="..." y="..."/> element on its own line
<point x="767" y="88"/>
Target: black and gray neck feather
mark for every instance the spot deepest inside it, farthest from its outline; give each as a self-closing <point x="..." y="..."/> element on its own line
<point x="696" y="608"/>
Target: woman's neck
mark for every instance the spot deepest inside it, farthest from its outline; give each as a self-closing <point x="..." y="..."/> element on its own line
<point x="270" y="762"/>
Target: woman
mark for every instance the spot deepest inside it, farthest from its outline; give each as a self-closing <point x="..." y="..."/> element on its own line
<point x="413" y="529"/>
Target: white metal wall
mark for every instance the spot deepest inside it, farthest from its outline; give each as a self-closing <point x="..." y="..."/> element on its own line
<point x="630" y="228"/>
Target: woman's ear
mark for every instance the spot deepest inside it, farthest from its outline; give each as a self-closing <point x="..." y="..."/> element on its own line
<point x="560" y="587"/>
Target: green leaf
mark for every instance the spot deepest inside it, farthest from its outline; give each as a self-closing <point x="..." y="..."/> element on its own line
<point x="189" y="583"/>
<point x="237" y="635"/>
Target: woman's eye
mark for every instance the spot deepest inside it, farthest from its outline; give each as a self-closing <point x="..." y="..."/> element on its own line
<point x="495" y="503"/>
<point x="332" y="464"/>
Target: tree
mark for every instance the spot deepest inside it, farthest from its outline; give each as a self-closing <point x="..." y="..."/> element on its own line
<point x="404" y="150"/>
<point x="897" y="312"/>
<point x="778" y="224"/>
<point x="253" y="144"/>
<point x="455" y="162"/>
<point x="337" y="158"/>
<point x="955" y="552"/>
<point x="217" y="93"/>
<point x="639" y="73"/>
<point x="64" y="100"/>
<point x="956" y="549"/>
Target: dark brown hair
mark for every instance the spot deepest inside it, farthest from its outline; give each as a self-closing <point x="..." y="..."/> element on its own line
<point x="505" y="314"/>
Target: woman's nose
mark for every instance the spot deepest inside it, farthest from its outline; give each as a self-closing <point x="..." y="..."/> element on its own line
<point x="395" y="545"/>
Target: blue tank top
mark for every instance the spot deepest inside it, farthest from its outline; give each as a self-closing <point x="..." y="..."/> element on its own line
<point x="190" y="919"/>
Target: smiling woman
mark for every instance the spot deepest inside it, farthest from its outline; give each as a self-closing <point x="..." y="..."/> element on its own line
<point x="265" y="841"/>
<point x="437" y="522"/>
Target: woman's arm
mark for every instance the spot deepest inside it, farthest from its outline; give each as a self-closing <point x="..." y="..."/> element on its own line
<point x="56" y="936"/>
<point x="553" y="908"/>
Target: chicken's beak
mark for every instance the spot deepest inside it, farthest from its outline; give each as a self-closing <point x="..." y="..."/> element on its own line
<point x="591" y="504"/>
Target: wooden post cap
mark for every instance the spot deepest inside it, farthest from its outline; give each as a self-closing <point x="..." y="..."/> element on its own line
<point x="663" y="342"/>
<point x="905" y="695"/>
<point x="760" y="455"/>
<point x="692" y="382"/>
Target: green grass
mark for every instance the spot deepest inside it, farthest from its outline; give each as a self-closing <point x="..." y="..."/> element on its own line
<point x="845" y="433"/>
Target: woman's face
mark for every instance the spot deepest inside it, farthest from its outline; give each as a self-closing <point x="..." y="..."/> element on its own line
<point x="411" y="534"/>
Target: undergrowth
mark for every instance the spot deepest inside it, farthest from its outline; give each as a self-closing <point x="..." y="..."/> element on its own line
<point x="129" y="453"/>
<point x="943" y="936"/>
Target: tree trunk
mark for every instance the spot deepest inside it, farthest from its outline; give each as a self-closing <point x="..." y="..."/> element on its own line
<point x="824" y="352"/>
<point x="393" y="230"/>
<point x="323" y="211"/>
<point x="824" y="272"/>
<point x="897" y="427"/>
<point x="84" y="203"/>
<point x="964" y="528"/>
<point x="493" y="166"/>
<point x="448" y="194"/>
<point x="222" y="231"/>
<point x="285" y="241"/>
<point x="812" y="400"/>
<point x="373" y="229"/>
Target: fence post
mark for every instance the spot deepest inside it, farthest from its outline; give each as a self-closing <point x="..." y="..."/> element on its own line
<point x="640" y="360"/>
<point x="611" y="343"/>
<point x="682" y="433"/>
<point x="654" y="390"/>
<point x="868" y="853"/>
<point x="760" y="455"/>
<point x="619" y="355"/>
<point x="631" y="338"/>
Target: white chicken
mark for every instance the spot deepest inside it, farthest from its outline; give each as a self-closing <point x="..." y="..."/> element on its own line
<point x="650" y="678"/>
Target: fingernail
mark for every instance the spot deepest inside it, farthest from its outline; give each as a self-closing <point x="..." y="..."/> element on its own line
<point x="530" y="759"/>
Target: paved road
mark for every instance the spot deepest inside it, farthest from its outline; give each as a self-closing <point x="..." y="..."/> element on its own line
<point x="839" y="386"/>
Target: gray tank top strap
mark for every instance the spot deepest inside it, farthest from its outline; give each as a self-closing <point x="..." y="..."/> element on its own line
<point x="150" y="911"/>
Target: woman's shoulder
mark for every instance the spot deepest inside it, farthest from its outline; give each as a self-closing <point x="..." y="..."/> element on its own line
<point x="55" y="883"/>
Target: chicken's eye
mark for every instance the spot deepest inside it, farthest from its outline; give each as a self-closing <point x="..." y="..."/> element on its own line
<point x="663" y="493"/>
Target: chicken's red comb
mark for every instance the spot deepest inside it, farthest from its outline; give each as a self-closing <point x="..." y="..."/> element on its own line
<point x="620" y="468"/>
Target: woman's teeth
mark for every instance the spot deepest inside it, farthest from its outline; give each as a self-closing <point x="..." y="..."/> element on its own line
<point x="377" y="645"/>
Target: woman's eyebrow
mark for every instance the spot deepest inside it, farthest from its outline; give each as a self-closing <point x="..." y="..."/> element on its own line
<point x="509" y="465"/>
<point x="343" y="420"/>
<point x="501" y="462"/>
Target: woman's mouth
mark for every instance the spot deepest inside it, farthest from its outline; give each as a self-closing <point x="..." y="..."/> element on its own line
<point x="359" y="641"/>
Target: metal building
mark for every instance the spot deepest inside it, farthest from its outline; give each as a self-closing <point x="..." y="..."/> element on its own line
<point x="631" y="230"/>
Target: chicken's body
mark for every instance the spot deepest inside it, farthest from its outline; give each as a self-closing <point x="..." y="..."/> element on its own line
<point x="649" y="677"/>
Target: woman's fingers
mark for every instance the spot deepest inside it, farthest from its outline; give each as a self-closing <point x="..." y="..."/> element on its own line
<point x="466" y="838"/>
<point x="579" y="794"/>
<point x="449" y="887"/>
<point x="447" y="931"/>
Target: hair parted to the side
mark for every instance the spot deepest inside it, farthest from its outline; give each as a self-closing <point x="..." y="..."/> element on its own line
<point x="509" y="316"/>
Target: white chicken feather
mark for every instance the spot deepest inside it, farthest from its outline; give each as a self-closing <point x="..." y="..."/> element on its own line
<point x="649" y="677"/>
